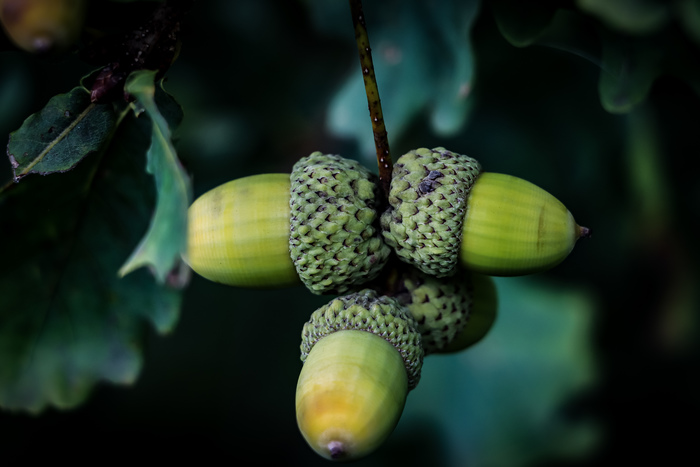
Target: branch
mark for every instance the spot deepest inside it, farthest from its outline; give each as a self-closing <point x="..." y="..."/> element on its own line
<point x="381" y="142"/>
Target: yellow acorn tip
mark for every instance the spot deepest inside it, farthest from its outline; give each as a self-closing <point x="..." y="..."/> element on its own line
<point x="337" y="450"/>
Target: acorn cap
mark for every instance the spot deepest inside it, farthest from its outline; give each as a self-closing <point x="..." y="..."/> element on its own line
<point x="428" y="202"/>
<point x="367" y="311"/>
<point x="482" y="316"/>
<point x="333" y="242"/>
<point x="441" y="307"/>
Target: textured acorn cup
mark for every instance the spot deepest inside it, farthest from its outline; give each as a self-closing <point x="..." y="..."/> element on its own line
<point x="41" y="26"/>
<point x="482" y="315"/>
<point x="333" y="241"/>
<point x="238" y="233"/>
<point x="362" y="354"/>
<point x="440" y="306"/>
<point x="444" y="212"/>
<point x="428" y="202"/>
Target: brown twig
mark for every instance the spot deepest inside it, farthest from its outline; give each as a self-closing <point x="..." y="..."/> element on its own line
<point x="152" y="45"/>
<point x="381" y="142"/>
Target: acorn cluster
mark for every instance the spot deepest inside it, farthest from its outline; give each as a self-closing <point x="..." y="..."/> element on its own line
<point x="411" y="274"/>
<point x="410" y="269"/>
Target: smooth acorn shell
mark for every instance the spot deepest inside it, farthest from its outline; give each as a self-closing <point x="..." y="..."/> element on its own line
<point x="513" y="227"/>
<point x="40" y="26"/>
<point x="350" y="394"/>
<point x="238" y="233"/>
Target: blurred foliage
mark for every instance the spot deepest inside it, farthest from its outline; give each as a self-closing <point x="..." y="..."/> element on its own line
<point x="70" y="337"/>
<point x="422" y="52"/>
<point x="501" y="402"/>
<point x="591" y="362"/>
<point x="67" y="319"/>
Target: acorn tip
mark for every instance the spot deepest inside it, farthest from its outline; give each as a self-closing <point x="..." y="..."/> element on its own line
<point x="337" y="450"/>
<point x="43" y="45"/>
<point x="584" y="232"/>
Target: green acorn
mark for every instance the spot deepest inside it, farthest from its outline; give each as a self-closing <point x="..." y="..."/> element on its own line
<point x="315" y="226"/>
<point x="428" y="199"/>
<point x="440" y="306"/>
<point x="482" y="315"/>
<point x="362" y="354"/>
<point x="238" y="233"/>
<point x="444" y="212"/>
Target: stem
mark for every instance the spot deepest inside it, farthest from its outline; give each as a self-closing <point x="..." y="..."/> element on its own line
<point x="381" y="142"/>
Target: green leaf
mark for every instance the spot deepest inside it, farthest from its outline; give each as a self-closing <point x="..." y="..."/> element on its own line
<point x="629" y="16"/>
<point x="523" y="22"/>
<point x="500" y="402"/>
<point x="645" y="170"/>
<point x="166" y="238"/>
<point x="629" y="64"/>
<point x="629" y="68"/>
<point x="423" y="63"/>
<point x="66" y="320"/>
<point x="60" y="135"/>
<point x="689" y="17"/>
<point x="451" y="103"/>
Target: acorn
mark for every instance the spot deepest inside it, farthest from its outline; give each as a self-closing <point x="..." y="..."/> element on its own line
<point x="42" y="26"/>
<point x="481" y="318"/>
<point x="238" y="233"/>
<point x="441" y="307"/>
<point x="317" y="226"/>
<point x="362" y="355"/>
<point x="444" y="212"/>
<point x="452" y="313"/>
